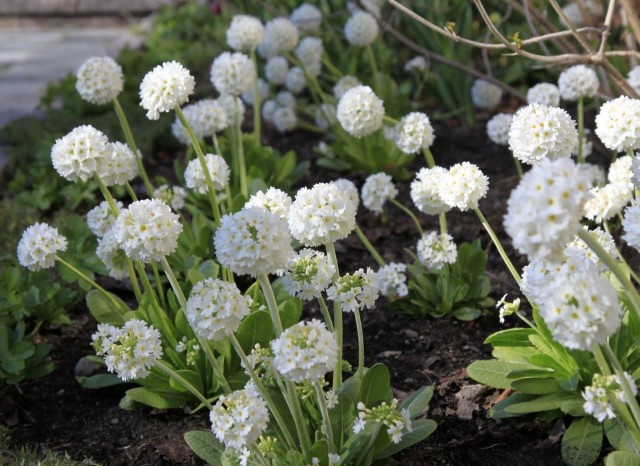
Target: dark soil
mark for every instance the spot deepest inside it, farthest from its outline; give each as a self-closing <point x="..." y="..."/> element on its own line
<point x="56" y="413"/>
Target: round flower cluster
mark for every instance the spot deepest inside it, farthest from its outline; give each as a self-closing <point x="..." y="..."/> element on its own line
<point x="413" y="133"/>
<point x="435" y="250"/>
<point x="114" y="258"/>
<point x="425" y="190"/>
<point x="276" y="70"/>
<point x="273" y="200"/>
<point x="245" y="33"/>
<point x="280" y="36"/>
<point x="131" y="350"/>
<point x="215" y="308"/>
<point x="309" y="51"/>
<point x="233" y="108"/>
<point x="285" y="99"/>
<point x="308" y="275"/>
<point x="463" y="186"/>
<point x="498" y="128"/>
<point x="218" y="169"/>
<point x="578" y="81"/>
<point x="206" y="117"/>
<point x="39" y="245"/>
<point x="606" y="201"/>
<point x="620" y="172"/>
<point x="240" y="418"/>
<point x="233" y="73"/>
<point x="485" y="95"/>
<point x="574" y="11"/>
<point x="633" y="78"/>
<point x="544" y="210"/>
<point x="387" y="415"/>
<point x="392" y="280"/>
<point x="579" y="248"/>
<point x="347" y="187"/>
<point x="344" y="84"/>
<point x="296" y="81"/>
<point x="377" y="190"/>
<point x="325" y="116"/>
<point x="252" y="242"/>
<point x="147" y="230"/>
<point x="99" y="80"/>
<point x="307" y="18"/>
<point x="80" y="154"/>
<point x="355" y="291"/>
<point x="321" y="214"/>
<point x="597" y="395"/>
<point x="263" y="92"/>
<point x="544" y="94"/>
<point x="594" y="174"/>
<point x="417" y="63"/>
<point x="100" y="219"/>
<point x="165" y="87"/>
<point x="631" y="225"/>
<point x="540" y="131"/>
<point x="119" y="165"/>
<point x="305" y="352"/>
<point x="361" y="28"/>
<point x="618" y="124"/>
<point x="173" y="196"/>
<point x="285" y="119"/>
<point x="360" y="112"/>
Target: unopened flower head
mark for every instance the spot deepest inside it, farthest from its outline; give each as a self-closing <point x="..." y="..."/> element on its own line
<point x="148" y="230"/>
<point x="355" y="291"/>
<point x="101" y="219"/>
<point x="344" y="84"/>
<point x="240" y="418"/>
<point x="99" y="80"/>
<point x="252" y="242"/>
<point x="435" y="250"/>
<point x="80" y="154"/>
<point x="309" y="51"/>
<point x="218" y="169"/>
<point x="414" y="133"/>
<point x="215" y="308"/>
<point x="131" y="350"/>
<point x="166" y="86"/>
<point x="296" y="81"/>
<point x="325" y="116"/>
<point x="233" y="73"/>
<point x="280" y="36"/>
<point x="633" y="78"/>
<point x="392" y="279"/>
<point x="233" y="108"/>
<point x="618" y="124"/>
<point x="174" y="196"/>
<point x="118" y="166"/>
<point x="206" y="117"/>
<point x="276" y="70"/>
<point x="273" y="200"/>
<point x="544" y="94"/>
<point x="309" y="273"/>
<point x="305" y="352"/>
<point x="597" y="395"/>
<point x="114" y="258"/>
<point x="39" y="245"/>
<point x="360" y="111"/>
<point x="507" y="308"/>
<point x="463" y="186"/>
<point x="578" y="81"/>
<point x="347" y="187"/>
<point x="426" y="189"/>
<point x="498" y="128"/>
<point x="307" y="18"/>
<point x="539" y="131"/>
<point x="245" y="33"/>
<point x="285" y="119"/>
<point x="396" y="421"/>
<point x="607" y="201"/>
<point x="321" y="214"/>
<point x="361" y="28"/>
<point x="377" y="190"/>
<point x="485" y="95"/>
<point x="417" y="63"/>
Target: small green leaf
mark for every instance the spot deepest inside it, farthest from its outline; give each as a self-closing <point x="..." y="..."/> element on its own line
<point x="494" y="373"/>
<point x="157" y="398"/>
<point x="422" y="428"/>
<point x="535" y="386"/>
<point x="541" y="403"/>
<point x="205" y="445"/>
<point x="99" y="381"/>
<point x="582" y="441"/>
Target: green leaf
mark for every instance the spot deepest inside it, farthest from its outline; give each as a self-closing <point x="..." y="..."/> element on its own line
<point x="422" y="428"/>
<point x="376" y="385"/>
<point x="494" y="373"/>
<point x="622" y="458"/>
<point x="541" y="403"/>
<point x="535" y="386"/>
<point x="255" y="328"/>
<point x="510" y="337"/>
<point x="205" y="445"/>
<point x="103" y="310"/>
<point x="99" y="381"/>
<point x="417" y="402"/>
<point x="582" y="441"/>
<point x="190" y="376"/>
<point x="157" y="398"/>
<point x="466" y="313"/>
<point x="499" y="410"/>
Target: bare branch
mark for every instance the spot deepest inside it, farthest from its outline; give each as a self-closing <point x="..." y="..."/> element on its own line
<point x="585" y="45"/>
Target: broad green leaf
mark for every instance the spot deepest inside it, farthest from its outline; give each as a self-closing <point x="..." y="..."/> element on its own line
<point x="422" y="428"/>
<point x="190" y="376"/>
<point x="255" y="328"/>
<point x="535" y="386"/>
<point x="158" y="398"/>
<point x="499" y="410"/>
<point x="622" y="458"/>
<point x="417" y="402"/>
<point x="103" y="310"/>
<point x="494" y="373"/>
<point x="99" y="381"/>
<point x="466" y="313"/>
<point x="376" y="385"/>
<point x="205" y="445"/>
<point x="541" y="403"/>
<point x="510" y="337"/>
<point x="514" y="353"/>
<point x="582" y="441"/>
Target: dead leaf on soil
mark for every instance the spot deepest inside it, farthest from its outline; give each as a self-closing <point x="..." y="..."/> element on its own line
<point x="468" y="397"/>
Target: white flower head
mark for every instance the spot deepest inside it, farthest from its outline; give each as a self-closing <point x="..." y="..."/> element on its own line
<point x="233" y="108"/>
<point x="596" y="396"/>
<point x="286" y="99"/>
<point x="633" y="78"/>
<point x="426" y="190"/>
<point x="377" y="190"/>
<point x="218" y="169"/>
<point x="417" y="63"/>
<point x="355" y="291"/>
<point x="309" y="273"/>
<point x="498" y="128"/>
<point x="206" y="117"/>
<point x="147" y="230"/>
<point x="414" y="133"/>
<point x="578" y="81"/>
<point x="131" y="350"/>
<point x="305" y="352"/>
<point x="309" y="51"/>
<point x="606" y="201"/>
<point x="280" y="36"/>
<point x="392" y="279"/>
<point x="273" y="200"/>
<point x="544" y="94"/>
<point x="539" y="131"/>
<point x="360" y="111"/>
<point x="631" y="225"/>
<point x="100" y="219"/>
<point x="118" y="165"/>
<point x="233" y="73"/>
<point x="296" y="81"/>
<point x="321" y="214"/>
<point x="269" y="107"/>
<point x="99" y="80"/>
<point x="435" y="250"/>
<point x="325" y="116"/>
<point x="347" y="187"/>
<point x="39" y="245"/>
<point x="245" y="33"/>
<point x="344" y="84"/>
<point x="216" y="308"/>
<point x="263" y="91"/>
<point x="620" y="172"/>
<point x="80" y="154"/>
<point x="485" y="95"/>
<point x="252" y="242"/>
<point x="618" y="124"/>
<point x="285" y="119"/>
<point x="171" y="195"/>
<point x="114" y="258"/>
<point x="165" y="87"/>
<point x="463" y="186"/>
<point x="594" y="174"/>
<point x="307" y="18"/>
<point x="276" y="70"/>
<point x="579" y="248"/>
<point x="361" y="28"/>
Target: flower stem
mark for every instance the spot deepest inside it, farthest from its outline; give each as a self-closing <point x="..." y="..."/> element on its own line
<point x="498" y="245"/>
<point x="131" y="192"/>
<point x="337" y="319"/>
<point x="134" y="280"/>
<point x="107" y="196"/>
<point x="164" y="367"/>
<point x="256" y="100"/>
<point x="518" y="167"/>
<point x="337" y="74"/>
<point x="244" y="188"/>
<point x="581" y="129"/>
<point x="409" y="213"/>
<point x="374" y="66"/>
<point x="325" y="313"/>
<point x="369" y="246"/>
<point x="267" y="290"/>
<point x="322" y="404"/>
<point x="629" y="396"/>
<point x="360" y="371"/>
<point x="428" y="155"/>
<point x="156" y="276"/>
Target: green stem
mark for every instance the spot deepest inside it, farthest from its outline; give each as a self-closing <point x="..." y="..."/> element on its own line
<point x="337" y="318"/>
<point x="107" y="196"/>
<point x="620" y="257"/>
<point x="369" y="246"/>
<point x="325" y="313"/>
<point x="631" y="400"/>
<point x="442" y="220"/>
<point x="337" y="74"/>
<point x="256" y="100"/>
<point x="298" y="418"/>
<point x="410" y="214"/>
<point x="389" y="119"/>
<point x="581" y="129"/>
<point x="184" y="382"/>
<point x="518" y="167"/>
<point x="124" y="123"/>
<point x="428" y="155"/>
<point x="322" y="404"/>
<point x="374" y="66"/>
<point x="244" y="188"/>
<point x="156" y="276"/>
<point x="498" y="245"/>
<point x="356" y="313"/>
<point x="267" y="290"/>
<point x="131" y="192"/>
<point x="134" y="281"/>
<point x="147" y="284"/>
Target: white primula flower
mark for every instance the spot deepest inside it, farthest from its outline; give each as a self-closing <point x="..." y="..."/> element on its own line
<point x="253" y="242"/>
<point x="269" y="107"/>
<point x="286" y="99"/>
<point x="606" y="201"/>
<point x="539" y="131"/>
<point x="578" y="81"/>
<point x="296" y="81"/>
<point x="280" y="36"/>
<point x="276" y="70"/>
<point x="435" y="250"/>
<point x="99" y="80"/>
<point x="39" y="245"/>
<point x="80" y="154"/>
<point x="233" y="108"/>
<point x="147" y="230"/>
<point x="594" y="174"/>
<point x="347" y="186"/>
<point x="100" y="219"/>
<point x="233" y="73"/>
<point x="309" y="51"/>
<point x="118" y="166"/>
<point x="360" y="111"/>
<point x="361" y="28"/>
<point x="463" y="186"/>
<point x="285" y="119"/>
<point x="618" y="124"/>
<point x="544" y="94"/>
<point x="245" y="33"/>
<point x="485" y="95"/>
<point x="219" y="172"/>
<point x="164" y="88"/>
<point x="206" y="118"/>
<point x="307" y="18"/>
<point x="174" y="196"/>
<point x="620" y="172"/>
<point x="305" y="352"/>
<point x="498" y="128"/>
<point x="377" y="190"/>
<point x="579" y="248"/>
<point x="309" y="273"/>
<point x="426" y="190"/>
<point x="414" y="133"/>
<point x="633" y="78"/>
<point x="357" y="290"/>
<point x="273" y="200"/>
<point x="418" y="63"/>
<point x="263" y="91"/>
<point x="597" y="395"/>
<point x="631" y="225"/>
<point x="392" y="280"/>
<point x="344" y="84"/>
<point x="114" y="258"/>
